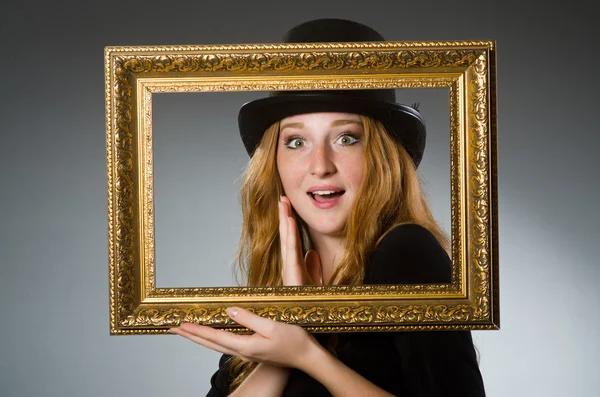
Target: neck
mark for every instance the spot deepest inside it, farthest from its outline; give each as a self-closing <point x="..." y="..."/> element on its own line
<point x="330" y="250"/>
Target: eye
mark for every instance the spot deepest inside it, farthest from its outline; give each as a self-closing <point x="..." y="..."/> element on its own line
<point x="348" y="139"/>
<point x="294" y="143"/>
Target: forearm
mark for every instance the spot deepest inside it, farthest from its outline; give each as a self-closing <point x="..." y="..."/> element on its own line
<point x="266" y="380"/>
<point x="338" y="378"/>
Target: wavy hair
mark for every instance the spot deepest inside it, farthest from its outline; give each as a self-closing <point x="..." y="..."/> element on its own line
<point x="390" y="195"/>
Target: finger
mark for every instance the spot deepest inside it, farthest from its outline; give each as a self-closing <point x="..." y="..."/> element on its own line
<point x="288" y="275"/>
<point x="287" y="205"/>
<point x="288" y="211"/>
<point x="313" y="267"/>
<point x="293" y="261"/>
<point x="294" y="264"/>
<point x="218" y="337"/>
<point x="204" y="342"/>
<point x="282" y="228"/>
<point x="297" y="243"/>
<point x="261" y="325"/>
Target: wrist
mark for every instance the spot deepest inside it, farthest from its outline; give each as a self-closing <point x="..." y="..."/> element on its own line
<point x="315" y="357"/>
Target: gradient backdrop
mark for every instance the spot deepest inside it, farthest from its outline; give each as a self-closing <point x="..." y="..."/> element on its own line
<point x="54" y="332"/>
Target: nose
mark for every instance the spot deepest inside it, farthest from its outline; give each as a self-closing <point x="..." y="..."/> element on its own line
<point x="321" y="162"/>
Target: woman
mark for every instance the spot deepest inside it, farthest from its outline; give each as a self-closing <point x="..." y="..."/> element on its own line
<point x="331" y="196"/>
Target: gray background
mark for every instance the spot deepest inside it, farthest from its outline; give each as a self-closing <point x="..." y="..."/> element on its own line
<point x="198" y="159"/>
<point x="54" y="337"/>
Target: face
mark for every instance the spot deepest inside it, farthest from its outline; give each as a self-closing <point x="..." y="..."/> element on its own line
<point x="320" y="158"/>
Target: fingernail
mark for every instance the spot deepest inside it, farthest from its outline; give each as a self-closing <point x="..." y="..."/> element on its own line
<point x="173" y="330"/>
<point x="232" y="311"/>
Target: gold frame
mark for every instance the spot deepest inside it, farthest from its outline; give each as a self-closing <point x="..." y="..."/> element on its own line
<point x="468" y="69"/>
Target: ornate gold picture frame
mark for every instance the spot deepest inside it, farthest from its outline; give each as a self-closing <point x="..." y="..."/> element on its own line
<point x="467" y="69"/>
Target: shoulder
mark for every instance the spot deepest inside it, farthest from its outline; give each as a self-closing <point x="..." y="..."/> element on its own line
<point x="408" y="254"/>
<point x="221" y="380"/>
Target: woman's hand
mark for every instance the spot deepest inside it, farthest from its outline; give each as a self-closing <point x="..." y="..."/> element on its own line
<point x="273" y="343"/>
<point x="296" y="270"/>
<point x="280" y="345"/>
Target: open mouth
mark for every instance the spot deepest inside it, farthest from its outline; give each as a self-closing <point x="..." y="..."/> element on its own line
<point x="323" y="197"/>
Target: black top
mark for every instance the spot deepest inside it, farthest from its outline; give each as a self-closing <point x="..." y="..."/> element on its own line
<point x="415" y="364"/>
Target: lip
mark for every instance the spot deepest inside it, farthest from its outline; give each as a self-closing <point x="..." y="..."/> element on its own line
<point x="324" y="187"/>
<point x="328" y="204"/>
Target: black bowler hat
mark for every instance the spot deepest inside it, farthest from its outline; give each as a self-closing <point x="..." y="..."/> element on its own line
<point x="404" y="122"/>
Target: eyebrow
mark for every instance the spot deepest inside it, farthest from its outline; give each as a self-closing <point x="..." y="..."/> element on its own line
<point x="291" y="125"/>
<point x="344" y="122"/>
<point x="334" y="123"/>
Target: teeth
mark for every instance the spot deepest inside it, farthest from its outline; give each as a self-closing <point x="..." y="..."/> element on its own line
<point x="323" y="192"/>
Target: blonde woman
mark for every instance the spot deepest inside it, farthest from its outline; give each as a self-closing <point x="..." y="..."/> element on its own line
<point x="331" y="196"/>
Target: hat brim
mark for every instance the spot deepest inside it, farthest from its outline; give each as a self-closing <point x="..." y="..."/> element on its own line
<point x="403" y="122"/>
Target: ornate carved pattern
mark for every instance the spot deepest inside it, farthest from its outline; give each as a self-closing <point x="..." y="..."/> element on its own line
<point x="479" y="163"/>
<point x="456" y="175"/>
<point x="338" y="328"/>
<point x="301" y="84"/>
<point x="436" y="67"/>
<point x="148" y="189"/>
<point x="125" y="194"/>
<point x="362" y="290"/>
<point x="329" y="47"/>
<point x="299" y="63"/>
<point x="110" y="184"/>
<point x="306" y="315"/>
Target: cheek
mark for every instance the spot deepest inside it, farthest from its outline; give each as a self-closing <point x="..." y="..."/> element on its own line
<point x="354" y="168"/>
<point x="288" y="172"/>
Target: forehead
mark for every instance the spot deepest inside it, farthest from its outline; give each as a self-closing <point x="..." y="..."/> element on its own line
<point x="319" y="119"/>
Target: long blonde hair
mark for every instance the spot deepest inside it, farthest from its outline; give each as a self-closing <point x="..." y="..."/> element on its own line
<point x="390" y="195"/>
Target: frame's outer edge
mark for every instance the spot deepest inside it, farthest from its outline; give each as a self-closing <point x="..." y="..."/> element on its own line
<point x="110" y="181"/>
<point x="111" y="53"/>
<point x="387" y="45"/>
<point x="494" y="187"/>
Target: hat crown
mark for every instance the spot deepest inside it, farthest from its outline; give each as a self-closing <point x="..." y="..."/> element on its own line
<point x="331" y="30"/>
<point x="403" y="122"/>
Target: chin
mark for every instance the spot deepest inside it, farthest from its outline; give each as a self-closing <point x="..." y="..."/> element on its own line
<point x="334" y="230"/>
<point x="324" y="222"/>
